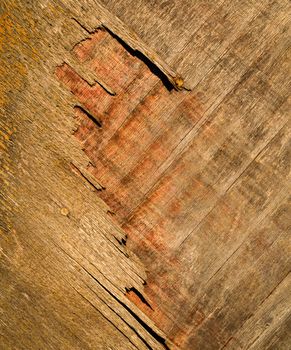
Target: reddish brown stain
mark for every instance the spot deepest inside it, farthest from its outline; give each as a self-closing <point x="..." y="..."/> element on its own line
<point x="141" y="127"/>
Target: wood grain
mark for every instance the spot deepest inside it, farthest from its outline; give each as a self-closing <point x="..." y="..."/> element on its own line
<point x="65" y="269"/>
<point x="190" y="175"/>
<point x="135" y="215"/>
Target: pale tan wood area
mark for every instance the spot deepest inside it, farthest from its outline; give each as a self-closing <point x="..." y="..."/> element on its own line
<point x="136" y="214"/>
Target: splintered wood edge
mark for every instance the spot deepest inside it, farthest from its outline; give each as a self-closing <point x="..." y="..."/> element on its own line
<point x="118" y="29"/>
<point x="136" y="44"/>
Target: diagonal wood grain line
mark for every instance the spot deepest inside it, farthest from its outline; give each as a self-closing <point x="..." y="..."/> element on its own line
<point x="243" y="172"/>
<point x="173" y="162"/>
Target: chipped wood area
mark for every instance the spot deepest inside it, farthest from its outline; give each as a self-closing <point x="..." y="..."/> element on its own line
<point x="65" y="269"/>
<point x="135" y="215"/>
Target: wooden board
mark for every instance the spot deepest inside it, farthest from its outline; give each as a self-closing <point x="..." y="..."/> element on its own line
<point x="189" y="245"/>
<point x="65" y="269"/>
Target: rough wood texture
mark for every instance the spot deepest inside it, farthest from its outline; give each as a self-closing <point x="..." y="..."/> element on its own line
<point x="190" y="178"/>
<point x="196" y="183"/>
<point x="65" y="269"/>
<point x="193" y="37"/>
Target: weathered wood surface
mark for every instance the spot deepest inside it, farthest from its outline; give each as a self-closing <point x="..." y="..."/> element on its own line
<point x="64" y="267"/>
<point x="190" y="207"/>
<point x="195" y="36"/>
<point x="198" y="180"/>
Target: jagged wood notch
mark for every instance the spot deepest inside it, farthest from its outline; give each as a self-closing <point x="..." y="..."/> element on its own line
<point x="137" y="294"/>
<point x="160" y="339"/>
<point x="88" y="178"/>
<point x="169" y="83"/>
<point x="89" y="115"/>
<point x="137" y="48"/>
